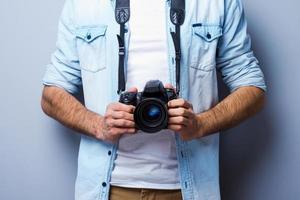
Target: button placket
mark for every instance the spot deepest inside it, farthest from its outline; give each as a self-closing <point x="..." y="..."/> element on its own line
<point x="104" y="184"/>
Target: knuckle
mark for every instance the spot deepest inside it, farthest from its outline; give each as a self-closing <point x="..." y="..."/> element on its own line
<point x="177" y="128"/>
<point x="182" y="111"/>
<point x="114" y="132"/>
<point x="109" y="113"/>
<point x="130" y="109"/>
<point x="130" y="130"/>
<point x="182" y="101"/>
<point x="114" y="106"/>
<point x="109" y="122"/>
<point x="131" y="116"/>
<point x="110" y="106"/>
<point x="122" y="115"/>
<point x="128" y="124"/>
<point x="186" y="112"/>
<point x="123" y="123"/>
<point x="106" y="116"/>
<point x="181" y="119"/>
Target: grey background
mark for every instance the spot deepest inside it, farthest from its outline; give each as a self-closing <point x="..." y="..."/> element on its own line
<point x="259" y="158"/>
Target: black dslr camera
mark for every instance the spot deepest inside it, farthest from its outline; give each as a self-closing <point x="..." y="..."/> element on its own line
<point x="151" y="112"/>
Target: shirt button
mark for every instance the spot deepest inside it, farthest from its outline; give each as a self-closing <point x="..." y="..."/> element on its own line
<point x="104" y="184"/>
<point x="109" y="153"/>
<point x="208" y="36"/>
<point x="89" y="36"/>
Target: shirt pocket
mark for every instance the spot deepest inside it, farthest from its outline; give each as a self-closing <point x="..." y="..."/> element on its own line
<point x="91" y="44"/>
<point x="203" y="48"/>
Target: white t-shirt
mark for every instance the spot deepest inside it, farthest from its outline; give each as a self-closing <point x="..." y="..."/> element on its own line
<point x="147" y="160"/>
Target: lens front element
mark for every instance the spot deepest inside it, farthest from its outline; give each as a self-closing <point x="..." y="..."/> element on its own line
<point x="151" y="115"/>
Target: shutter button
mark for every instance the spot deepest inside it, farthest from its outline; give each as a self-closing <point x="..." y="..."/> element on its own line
<point x="208" y="36"/>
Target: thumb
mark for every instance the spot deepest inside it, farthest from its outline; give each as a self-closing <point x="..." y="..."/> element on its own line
<point x="169" y="86"/>
<point x="132" y="89"/>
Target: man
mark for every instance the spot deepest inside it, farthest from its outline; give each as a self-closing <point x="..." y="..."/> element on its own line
<point x="116" y="161"/>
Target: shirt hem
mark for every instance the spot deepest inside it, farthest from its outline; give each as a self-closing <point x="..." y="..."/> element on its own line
<point x="149" y="186"/>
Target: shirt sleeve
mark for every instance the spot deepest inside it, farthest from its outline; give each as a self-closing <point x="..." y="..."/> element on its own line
<point x="64" y="69"/>
<point x="236" y="60"/>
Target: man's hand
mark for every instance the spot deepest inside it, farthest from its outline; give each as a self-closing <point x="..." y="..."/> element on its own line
<point x="117" y="120"/>
<point x="183" y="120"/>
<point x="62" y="106"/>
<point x="238" y="106"/>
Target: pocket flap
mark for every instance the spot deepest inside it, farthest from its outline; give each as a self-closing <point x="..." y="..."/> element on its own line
<point x="207" y="32"/>
<point x="91" y="33"/>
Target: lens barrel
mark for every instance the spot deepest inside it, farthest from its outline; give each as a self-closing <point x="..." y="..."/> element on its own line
<point x="151" y="115"/>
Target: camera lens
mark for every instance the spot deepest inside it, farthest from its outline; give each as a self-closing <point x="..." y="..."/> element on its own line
<point x="151" y="115"/>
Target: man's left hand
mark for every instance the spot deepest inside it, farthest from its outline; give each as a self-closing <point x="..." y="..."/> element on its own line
<point x="183" y="120"/>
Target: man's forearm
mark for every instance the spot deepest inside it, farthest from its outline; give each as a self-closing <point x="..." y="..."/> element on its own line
<point x="60" y="105"/>
<point x="238" y="106"/>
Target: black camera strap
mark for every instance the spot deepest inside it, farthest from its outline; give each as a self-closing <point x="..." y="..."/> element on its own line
<point x="177" y="16"/>
<point x="122" y="15"/>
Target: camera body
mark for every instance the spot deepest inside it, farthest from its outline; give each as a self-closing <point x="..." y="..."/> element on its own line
<point x="151" y="112"/>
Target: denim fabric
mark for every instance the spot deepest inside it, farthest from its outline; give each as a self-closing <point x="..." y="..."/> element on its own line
<point x="214" y="38"/>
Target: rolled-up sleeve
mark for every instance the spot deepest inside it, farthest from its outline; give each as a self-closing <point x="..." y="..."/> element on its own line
<point x="64" y="69"/>
<point x="236" y="61"/>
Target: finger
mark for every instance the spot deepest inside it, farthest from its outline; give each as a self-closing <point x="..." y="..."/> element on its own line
<point x="132" y="89"/>
<point x="121" y="131"/>
<point x="122" y="115"/>
<point x="169" y="86"/>
<point x="122" y="107"/>
<point x="179" y="103"/>
<point x="176" y="128"/>
<point x="179" y="121"/>
<point x="174" y="112"/>
<point x="122" y="123"/>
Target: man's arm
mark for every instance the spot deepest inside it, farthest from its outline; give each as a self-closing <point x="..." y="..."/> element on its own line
<point x="240" y="72"/>
<point x="238" y="106"/>
<point x="62" y="106"/>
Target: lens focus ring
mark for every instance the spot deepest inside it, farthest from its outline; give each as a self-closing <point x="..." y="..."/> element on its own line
<point x="151" y="115"/>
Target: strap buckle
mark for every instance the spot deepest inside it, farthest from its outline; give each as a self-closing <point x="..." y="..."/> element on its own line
<point x="178" y="55"/>
<point x="121" y="51"/>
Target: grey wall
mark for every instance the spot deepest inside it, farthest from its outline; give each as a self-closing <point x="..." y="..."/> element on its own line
<point x="259" y="159"/>
<point x="37" y="156"/>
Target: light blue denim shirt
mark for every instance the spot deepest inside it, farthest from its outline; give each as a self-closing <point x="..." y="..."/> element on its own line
<point x="214" y="38"/>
